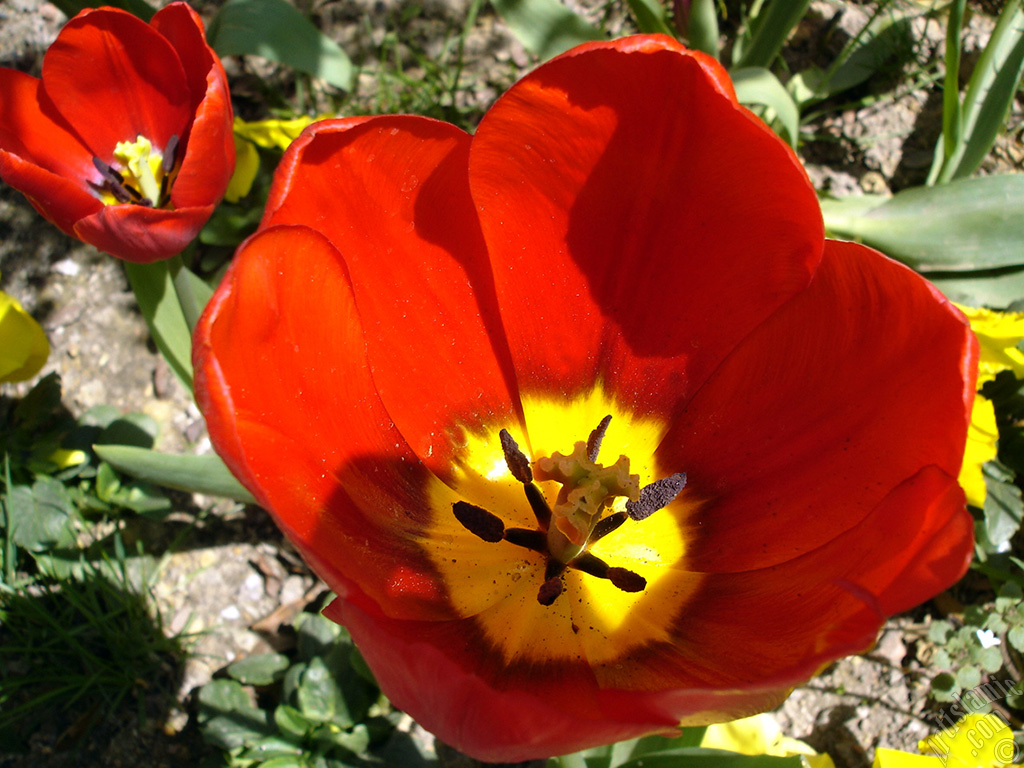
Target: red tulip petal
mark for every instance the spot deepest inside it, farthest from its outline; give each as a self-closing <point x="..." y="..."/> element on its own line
<point x="621" y="220"/>
<point x="281" y="377"/>
<point x="784" y="622"/>
<point x="60" y="200"/>
<point x="209" y="145"/>
<point x="391" y="194"/>
<point x="113" y="77"/>
<point x="140" y="234"/>
<point x="183" y="29"/>
<point x="32" y="129"/>
<point x="740" y="645"/>
<point x="848" y="390"/>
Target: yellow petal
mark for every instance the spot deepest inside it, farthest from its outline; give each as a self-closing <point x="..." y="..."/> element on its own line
<point x="976" y="741"/>
<point x="247" y="164"/>
<point x="64" y="458"/>
<point x="23" y="345"/>
<point x="982" y="444"/>
<point x="274" y="134"/>
<point x="894" y="758"/>
<point x="998" y="335"/>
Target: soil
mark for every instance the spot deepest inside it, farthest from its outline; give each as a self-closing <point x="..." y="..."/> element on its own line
<point x="236" y="582"/>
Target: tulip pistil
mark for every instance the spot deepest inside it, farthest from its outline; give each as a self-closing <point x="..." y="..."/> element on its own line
<point x="588" y="491"/>
<point x="144" y="174"/>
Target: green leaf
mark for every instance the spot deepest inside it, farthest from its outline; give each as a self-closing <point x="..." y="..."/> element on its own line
<point x="135" y="429"/>
<point x="158" y="302"/>
<point x="939" y="631"/>
<point x="944" y="686"/>
<point x="317" y="635"/>
<point x="770" y="29"/>
<point x="138" y="8"/>
<point x="967" y="225"/>
<point x="756" y="85"/>
<point x="290" y="720"/>
<point x="107" y="482"/>
<point x="219" y="697"/>
<point x="195" y="474"/>
<point x="1004" y="509"/>
<point x="278" y="31"/>
<point x="865" y="55"/>
<point x="651" y="17"/>
<point x="41" y="517"/>
<point x="990" y="93"/>
<point x="546" y="28"/>
<point x="318" y="695"/>
<point x="271" y="747"/>
<point x="1016" y="638"/>
<point x="968" y="677"/>
<point x="260" y="669"/>
<point x="702" y="26"/>
<point x="990" y="659"/>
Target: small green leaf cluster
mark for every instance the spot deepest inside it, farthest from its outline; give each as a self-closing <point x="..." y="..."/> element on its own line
<point x="49" y="500"/>
<point x="981" y="648"/>
<point x="320" y="709"/>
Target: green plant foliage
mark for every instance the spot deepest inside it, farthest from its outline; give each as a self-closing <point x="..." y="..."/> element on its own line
<point x="153" y="286"/>
<point x="769" y="30"/>
<point x="651" y="17"/>
<point x="991" y="89"/>
<point x="276" y="30"/>
<point x="757" y="85"/>
<point x="546" y="28"/>
<point x="964" y="231"/>
<point x="196" y="474"/>
<point x="315" y="709"/>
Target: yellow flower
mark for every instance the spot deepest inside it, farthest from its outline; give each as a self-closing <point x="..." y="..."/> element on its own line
<point x="976" y="741"/>
<point x="269" y="134"/>
<point x="998" y="335"/>
<point x="761" y="735"/>
<point x="23" y="345"/>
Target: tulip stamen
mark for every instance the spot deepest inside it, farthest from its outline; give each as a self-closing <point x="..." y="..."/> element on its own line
<point x="587" y="492"/>
<point x="144" y="176"/>
<point x="655" y="496"/>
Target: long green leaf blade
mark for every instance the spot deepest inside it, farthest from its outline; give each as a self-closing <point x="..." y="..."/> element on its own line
<point x="278" y="31"/>
<point x="651" y="17"/>
<point x="158" y="302"/>
<point x="756" y="85"/>
<point x="771" y="28"/>
<point x="969" y="224"/>
<point x="991" y="91"/>
<point x="546" y="28"/>
<point x="195" y="474"/>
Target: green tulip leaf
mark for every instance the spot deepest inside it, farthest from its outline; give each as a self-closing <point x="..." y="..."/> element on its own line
<point x="277" y="30"/>
<point x="158" y="301"/>
<point x="756" y="85"/>
<point x="698" y="757"/>
<point x="769" y="31"/>
<point x="651" y="17"/>
<point x="968" y="225"/>
<point x="196" y="474"/>
<point x="546" y="28"/>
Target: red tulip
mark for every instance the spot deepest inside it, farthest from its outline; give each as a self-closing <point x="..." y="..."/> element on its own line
<point x="425" y="318"/>
<point x="126" y="140"/>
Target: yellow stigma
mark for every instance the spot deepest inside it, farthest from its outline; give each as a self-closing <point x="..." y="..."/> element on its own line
<point x="140" y="174"/>
<point x="496" y="582"/>
<point x="143" y="167"/>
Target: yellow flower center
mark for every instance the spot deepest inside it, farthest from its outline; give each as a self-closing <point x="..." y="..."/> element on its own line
<point x="556" y="555"/>
<point x="142" y="176"/>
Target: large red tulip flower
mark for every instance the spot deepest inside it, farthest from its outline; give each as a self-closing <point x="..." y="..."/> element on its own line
<point x="588" y="426"/>
<point x="126" y="140"/>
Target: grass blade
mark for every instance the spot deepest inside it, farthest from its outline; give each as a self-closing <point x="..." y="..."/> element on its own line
<point x="771" y="27"/>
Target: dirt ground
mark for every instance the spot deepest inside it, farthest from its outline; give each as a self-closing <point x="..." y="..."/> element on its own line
<point x="236" y="571"/>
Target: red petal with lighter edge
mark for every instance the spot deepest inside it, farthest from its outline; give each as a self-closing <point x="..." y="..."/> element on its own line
<point x="331" y="465"/>
<point x="418" y="266"/>
<point x="140" y="234"/>
<point x="621" y="230"/>
<point x="133" y="84"/>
